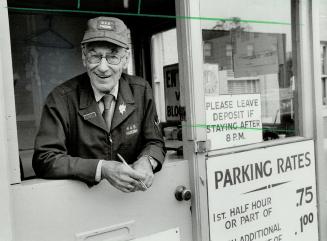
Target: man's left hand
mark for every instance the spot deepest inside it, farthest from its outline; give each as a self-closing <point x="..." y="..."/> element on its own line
<point x="144" y="166"/>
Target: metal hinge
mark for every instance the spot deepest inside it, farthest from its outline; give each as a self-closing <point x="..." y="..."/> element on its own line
<point x="201" y="146"/>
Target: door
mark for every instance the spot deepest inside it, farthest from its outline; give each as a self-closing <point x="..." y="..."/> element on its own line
<point x="246" y="67"/>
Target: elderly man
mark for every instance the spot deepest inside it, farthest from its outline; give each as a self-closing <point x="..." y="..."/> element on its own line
<point x="93" y="122"/>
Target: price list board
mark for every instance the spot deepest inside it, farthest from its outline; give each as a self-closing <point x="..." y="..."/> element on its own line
<point x="266" y="194"/>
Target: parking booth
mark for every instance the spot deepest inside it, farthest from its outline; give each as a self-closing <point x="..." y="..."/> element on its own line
<point x="240" y="90"/>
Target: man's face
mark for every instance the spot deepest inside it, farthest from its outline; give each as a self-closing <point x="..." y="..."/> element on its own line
<point x="104" y="75"/>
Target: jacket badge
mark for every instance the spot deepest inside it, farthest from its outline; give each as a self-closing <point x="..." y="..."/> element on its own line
<point x="89" y="115"/>
<point x="122" y="108"/>
<point x="130" y="130"/>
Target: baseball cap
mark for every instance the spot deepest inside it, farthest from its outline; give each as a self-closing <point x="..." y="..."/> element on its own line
<point x="107" y="29"/>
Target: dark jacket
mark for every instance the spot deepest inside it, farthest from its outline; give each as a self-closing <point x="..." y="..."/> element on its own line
<point x="73" y="136"/>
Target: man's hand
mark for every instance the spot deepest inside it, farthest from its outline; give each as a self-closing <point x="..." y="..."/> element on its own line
<point x="123" y="177"/>
<point x="143" y="165"/>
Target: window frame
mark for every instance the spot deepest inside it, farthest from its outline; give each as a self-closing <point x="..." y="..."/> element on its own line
<point x="8" y="98"/>
<point x="307" y="93"/>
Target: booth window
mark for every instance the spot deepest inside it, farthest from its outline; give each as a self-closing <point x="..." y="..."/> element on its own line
<point x="44" y="55"/>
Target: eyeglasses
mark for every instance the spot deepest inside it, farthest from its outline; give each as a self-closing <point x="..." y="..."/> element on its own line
<point x="111" y="59"/>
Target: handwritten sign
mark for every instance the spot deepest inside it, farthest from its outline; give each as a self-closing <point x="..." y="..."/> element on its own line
<point x="172" y="92"/>
<point x="265" y="194"/>
<point x="233" y="120"/>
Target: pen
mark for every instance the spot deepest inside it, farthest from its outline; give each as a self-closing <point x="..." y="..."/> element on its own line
<point x="125" y="163"/>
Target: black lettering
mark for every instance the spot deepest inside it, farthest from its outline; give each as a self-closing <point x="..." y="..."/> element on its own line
<point x="300" y="162"/>
<point x="168" y="111"/>
<point x="308" y="159"/>
<point x="215" y="116"/>
<point x="208" y="105"/>
<point x="294" y="157"/>
<point x="228" y="178"/>
<point x="288" y="166"/>
<point x="280" y="162"/>
<point x="171" y="79"/>
<point x="176" y="110"/>
<point x="236" y="174"/>
<point x="258" y="170"/>
<point x="245" y="173"/>
<point x="218" y="178"/>
<point x="267" y="173"/>
<point x="208" y="129"/>
<point x="177" y="94"/>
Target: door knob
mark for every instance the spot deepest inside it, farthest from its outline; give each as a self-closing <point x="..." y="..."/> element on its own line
<point x="182" y="193"/>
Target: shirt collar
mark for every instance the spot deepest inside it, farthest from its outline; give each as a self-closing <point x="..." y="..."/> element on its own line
<point x="98" y="95"/>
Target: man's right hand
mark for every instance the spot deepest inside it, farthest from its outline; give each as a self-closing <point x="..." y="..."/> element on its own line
<point x="121" y="176"/>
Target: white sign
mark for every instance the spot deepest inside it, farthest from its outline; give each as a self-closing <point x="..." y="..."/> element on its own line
<point x="266" y="194"/>
<point x="172" y="92"/>
<point x="233" y="120"/>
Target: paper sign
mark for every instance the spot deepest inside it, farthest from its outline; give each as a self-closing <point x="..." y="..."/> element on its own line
<point x="233" y="120"/>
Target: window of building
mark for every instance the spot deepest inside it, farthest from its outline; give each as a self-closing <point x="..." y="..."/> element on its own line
<point x="250" y="50"/>
<point x="207" y="49"/>
<point x="229" y="50"/>
<point x="243" y="86"/>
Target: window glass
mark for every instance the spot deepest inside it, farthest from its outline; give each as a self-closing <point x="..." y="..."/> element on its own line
<point x="248" y="77"/>
<point x="167" y="88"/>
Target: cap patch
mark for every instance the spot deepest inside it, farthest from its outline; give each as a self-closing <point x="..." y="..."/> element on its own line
<point x="106" y="25"/>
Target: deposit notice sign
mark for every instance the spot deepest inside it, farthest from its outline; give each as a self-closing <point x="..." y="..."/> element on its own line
<point x="233" y="120"/>
<point x="265" y="194"/>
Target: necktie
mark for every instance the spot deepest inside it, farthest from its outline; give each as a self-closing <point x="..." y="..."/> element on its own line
<point x="107" y="100"/>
